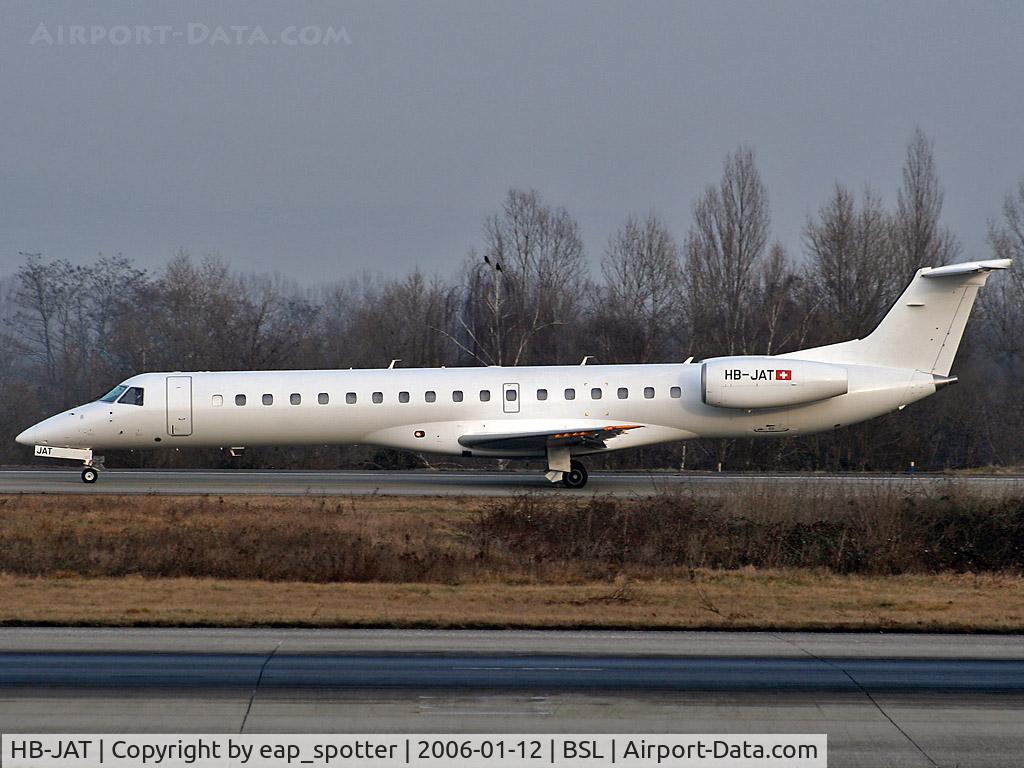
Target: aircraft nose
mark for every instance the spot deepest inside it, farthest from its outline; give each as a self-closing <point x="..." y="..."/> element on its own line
<point x="28" y="437"/>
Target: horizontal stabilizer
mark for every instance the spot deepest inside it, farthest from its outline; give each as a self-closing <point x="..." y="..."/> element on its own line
<point x="967" y="268"/>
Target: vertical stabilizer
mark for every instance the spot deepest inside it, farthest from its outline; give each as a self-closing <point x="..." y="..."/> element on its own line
<point x="924" y="327"/>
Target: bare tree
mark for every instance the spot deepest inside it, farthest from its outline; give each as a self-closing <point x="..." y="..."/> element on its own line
<point x="66" y="319"/>
<point x="114" y="287"/>
<point x="919" y="239"/>
<point x="520" y="296"/>
<point x="638" y="311"/>
<point x="849" y="266"/>
<point x="1004" y="301"/>
<point x="206" y="318"/>
<point x="37" y="297"/>
<point x="53" y="325"/>
<point x="725" y="244"/>
<point x="194" y="327"/>
<point x="781" y="316"/>
<point x="403" y="319"/>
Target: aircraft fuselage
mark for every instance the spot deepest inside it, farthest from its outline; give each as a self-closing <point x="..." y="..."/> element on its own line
<point x="431" y="409"/>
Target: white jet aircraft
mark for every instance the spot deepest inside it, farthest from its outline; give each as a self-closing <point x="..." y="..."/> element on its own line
<point x="553" y="412"/>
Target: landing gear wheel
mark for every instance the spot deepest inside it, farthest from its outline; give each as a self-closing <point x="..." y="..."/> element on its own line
<point x="90" y="475"/>
<point x="576" y="477"/>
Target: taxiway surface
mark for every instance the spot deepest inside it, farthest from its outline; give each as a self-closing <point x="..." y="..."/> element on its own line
<point x="895" y="700"/>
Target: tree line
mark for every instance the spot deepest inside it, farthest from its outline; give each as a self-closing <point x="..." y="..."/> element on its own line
<point x="525" y="295"/>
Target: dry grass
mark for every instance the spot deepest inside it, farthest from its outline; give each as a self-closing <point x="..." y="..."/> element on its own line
<point x="720" y="600"/>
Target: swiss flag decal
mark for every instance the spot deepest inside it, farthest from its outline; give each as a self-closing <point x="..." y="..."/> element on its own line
<point x="781" y="375"/>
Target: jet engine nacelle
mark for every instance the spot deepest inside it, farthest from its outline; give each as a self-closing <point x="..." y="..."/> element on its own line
<point x="769" y="382"/>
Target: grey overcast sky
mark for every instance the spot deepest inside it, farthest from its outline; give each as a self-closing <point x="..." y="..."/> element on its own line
<point x="386" y="148"/>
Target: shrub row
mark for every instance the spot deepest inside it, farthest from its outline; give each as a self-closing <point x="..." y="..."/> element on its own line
<point x="529" y="537"/>
<point x="871" y="535"/>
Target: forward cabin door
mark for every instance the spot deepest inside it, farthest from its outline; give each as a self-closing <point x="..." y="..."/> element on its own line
<point x="179" y="405"/>
<point x="510" y="398"/>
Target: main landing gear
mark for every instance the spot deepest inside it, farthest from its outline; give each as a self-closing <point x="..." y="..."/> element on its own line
<point x="577" y="475"/>
<point x="562" y="467"/>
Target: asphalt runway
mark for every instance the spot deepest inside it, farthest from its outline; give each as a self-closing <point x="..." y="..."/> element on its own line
<point x="508" y="672"/>
<point x="463" y="483"/>
<point x="894" y="700"/>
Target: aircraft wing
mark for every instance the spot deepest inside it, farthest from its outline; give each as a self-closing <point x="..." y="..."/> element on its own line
<point x="593" y="437"/>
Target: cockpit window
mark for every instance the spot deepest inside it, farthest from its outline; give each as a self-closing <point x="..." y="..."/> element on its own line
<point x="113" y="394"/>
<point x="133" y="396"/>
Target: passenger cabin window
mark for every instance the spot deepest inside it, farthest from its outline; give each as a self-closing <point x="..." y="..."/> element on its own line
<point x="134" y="396"/>
<point x="377" y="397"/>
<point x="218" y="401"/>
<point x="648" y="392"/>
<point x="485" y="395"/>
<point x="239" y="399"/>
<point x="457" y="396"/>
<point x="570" y="394"/>
<point x="623" y="393"/>
<point x="323" y="398"/>
<point x="113" y="394"/>
<point x="542" y="394"/>
<point x="268" y="399"/>
<point x="675" y="392"/>
<point x="403" y="397"/>
<point x="511" y="395"/>
<point x="350" y="398"/>
<point x="595" y="393"/>
<point x="295" y="398"/>
<point x="430" y="396"/>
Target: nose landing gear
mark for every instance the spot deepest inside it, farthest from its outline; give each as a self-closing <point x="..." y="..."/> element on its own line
<point x="91" y="472"/>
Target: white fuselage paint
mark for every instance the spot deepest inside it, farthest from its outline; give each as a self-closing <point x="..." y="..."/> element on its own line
<point x="437" y="426"/>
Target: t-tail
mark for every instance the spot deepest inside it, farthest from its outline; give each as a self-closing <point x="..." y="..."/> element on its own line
<point x="923" y="329"/>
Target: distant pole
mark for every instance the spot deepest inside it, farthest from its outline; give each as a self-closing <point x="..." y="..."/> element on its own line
<point x="497" y="311"/>
<point x="497" y="271"/>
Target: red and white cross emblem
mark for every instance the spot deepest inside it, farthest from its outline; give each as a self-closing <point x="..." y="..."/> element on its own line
<point x="782" y="375"/>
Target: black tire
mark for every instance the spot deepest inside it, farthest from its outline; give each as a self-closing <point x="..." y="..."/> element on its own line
<point x="576" y="477"/>
<point x="90" y="475"/>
